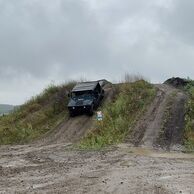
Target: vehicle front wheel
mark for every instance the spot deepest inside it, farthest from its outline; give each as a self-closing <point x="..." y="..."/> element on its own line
<point x="91" y="111"/>
<point x="72" y="114"/>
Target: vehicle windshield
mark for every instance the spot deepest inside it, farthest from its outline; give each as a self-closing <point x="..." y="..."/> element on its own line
<point x="81" y="94"/>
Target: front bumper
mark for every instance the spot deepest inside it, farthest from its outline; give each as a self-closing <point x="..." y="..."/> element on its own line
<point x="79" y="109"/>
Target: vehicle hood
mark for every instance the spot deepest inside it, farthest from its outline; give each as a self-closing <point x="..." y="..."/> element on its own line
<point x="80" y="102"/>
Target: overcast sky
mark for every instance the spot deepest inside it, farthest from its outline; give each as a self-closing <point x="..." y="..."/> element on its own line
<point x="44" y="41"/>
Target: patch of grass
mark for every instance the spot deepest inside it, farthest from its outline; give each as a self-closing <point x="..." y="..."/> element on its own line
<point x="37" y="116"/>
<point x="189" y="116"/>
<point x="120" y="115"/>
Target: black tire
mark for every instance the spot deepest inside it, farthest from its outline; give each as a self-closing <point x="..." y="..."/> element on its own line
<point x="72" y="114"/>
<point x="91" y="111"/>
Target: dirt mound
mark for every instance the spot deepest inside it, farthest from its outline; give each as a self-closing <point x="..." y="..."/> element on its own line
<point x="177" y="82"/>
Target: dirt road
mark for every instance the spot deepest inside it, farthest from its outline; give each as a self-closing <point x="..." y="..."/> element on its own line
<point x="57" y="167"/>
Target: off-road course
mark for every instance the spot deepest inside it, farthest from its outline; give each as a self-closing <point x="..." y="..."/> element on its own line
<point x="150" y="161"/>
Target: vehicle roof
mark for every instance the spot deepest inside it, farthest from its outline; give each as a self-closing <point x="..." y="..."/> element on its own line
<point x="84" y="86"/>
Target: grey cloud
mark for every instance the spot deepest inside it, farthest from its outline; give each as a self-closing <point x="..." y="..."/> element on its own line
<point x="37" y="37"/>
<point x="44" y="40"/>
<point x="178" y="21"/>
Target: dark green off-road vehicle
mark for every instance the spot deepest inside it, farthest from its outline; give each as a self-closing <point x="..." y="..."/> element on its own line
<point x="85" y="97"/>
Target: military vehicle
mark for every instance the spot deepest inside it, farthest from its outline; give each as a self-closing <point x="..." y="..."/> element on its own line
<point x="85" y="97"/>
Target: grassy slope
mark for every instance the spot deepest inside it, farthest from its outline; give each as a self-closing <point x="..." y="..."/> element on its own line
<point x="189" y="128"/>
<point x="120" y="115"/>
<point x="36" y="116"/>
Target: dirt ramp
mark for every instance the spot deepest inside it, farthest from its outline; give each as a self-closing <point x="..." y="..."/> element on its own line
<point x="154" y="126"/>
<point x="70" y="130"/>
<point x="147" y="128"/>
<point x="172" y="131"/>
<point x="163" y="123"/>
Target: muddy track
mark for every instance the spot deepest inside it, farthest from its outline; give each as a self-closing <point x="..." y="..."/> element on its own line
<point x="163" y="123"/>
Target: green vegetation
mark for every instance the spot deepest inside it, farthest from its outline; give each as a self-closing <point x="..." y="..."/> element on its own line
<point x="189" y="118"/>
<point x="37" y="116"/>
<point x="120" y="115"/>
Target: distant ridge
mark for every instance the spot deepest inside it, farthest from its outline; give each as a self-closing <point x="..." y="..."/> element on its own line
<point x="6" y="108"/>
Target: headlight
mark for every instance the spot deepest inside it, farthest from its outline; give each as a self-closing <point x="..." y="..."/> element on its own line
<point x="73" y="107"/>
